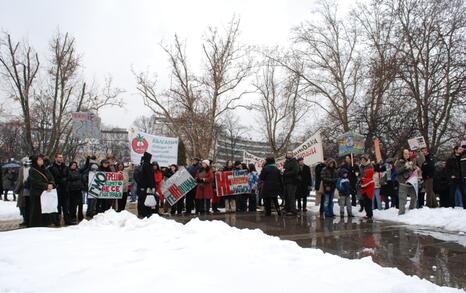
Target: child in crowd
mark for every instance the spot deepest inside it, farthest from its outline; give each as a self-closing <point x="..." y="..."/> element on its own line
<point x="344" y="189"/>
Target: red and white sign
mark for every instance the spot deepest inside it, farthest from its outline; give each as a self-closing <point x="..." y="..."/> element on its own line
<point x="231" y="182"/>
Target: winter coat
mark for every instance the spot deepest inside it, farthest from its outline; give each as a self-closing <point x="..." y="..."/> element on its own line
<point x="329" y="179"/>
<point x="146" y="178"/>
<point x="39" y="179"/>
<point x="441" y="180"/>
<point x="253" y="179"/>
<point x="368" y="178"/>
<point x="304" y="181"/>
<point x="428" y="168"/>
<point x="343" y="186"/>
<point x="403" y="170"/>
<point x="453" y="169"/>
<point x="158" y="177"/>
<point x="60" y="174"/>
<point x="9" y="179"/>
<point x="204" y="179"/>
<point x="271" y="181"/>
<point x="22" y="186"/>
<point x="193" y="169"/>
<point x="351" y="175"/>
<point x="291" y="170"/>
<point x="75" y="181"/>
<point x="318" y="173"/>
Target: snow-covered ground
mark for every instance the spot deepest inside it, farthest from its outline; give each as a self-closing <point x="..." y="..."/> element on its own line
<point x="9" y="211"/>
<point x="448" y="219"/>
<point x="116" y="252"/>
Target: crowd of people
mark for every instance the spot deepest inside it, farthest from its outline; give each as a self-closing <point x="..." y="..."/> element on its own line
<point x="374" y="185"/>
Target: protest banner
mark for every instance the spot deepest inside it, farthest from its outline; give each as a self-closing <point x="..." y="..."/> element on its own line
<point x="105" y="185"/>
<point x="417" y="143"/>
<point x="350" y="143"/>
<point x="311" y="150"/>
<point x="378" y="153"/>
<point x="86" y="125"/>
<point x="231" y="182"/>
<point x="177" y="186"/>
<point x="164" y="150"/>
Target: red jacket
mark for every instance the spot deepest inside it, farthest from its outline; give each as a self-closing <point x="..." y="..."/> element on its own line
<point x="158" y="176"/>
<point x="204" y="180"/>
<point x="368" y="178"/>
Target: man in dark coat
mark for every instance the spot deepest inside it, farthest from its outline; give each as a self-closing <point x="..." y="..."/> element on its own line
<point x="318" y="180"/>
<point x="60" y="173"/>
<point x="456" y="178"/>
<point x="304" y="184"/>
<point x="353" y="178"/>
<point x="428" y="172"/>
<point x="146" y="184"/>
<point x="290" y="181"/>
<point x="195" y="166"/>
<point x="270" y="180"/>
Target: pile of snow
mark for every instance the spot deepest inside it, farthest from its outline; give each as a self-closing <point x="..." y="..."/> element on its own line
<point x="448" y="219"/>
<point x="9" y="211"/>
<point x="116" y="252"/>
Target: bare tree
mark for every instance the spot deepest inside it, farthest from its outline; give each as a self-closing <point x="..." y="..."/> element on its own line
<point x="194" y="105"/>
<point x="19" y="69"/>
<point x="232" y="131"/>
<point x="281" y="106"/>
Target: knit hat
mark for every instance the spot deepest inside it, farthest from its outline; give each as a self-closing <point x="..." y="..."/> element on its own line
<point x="207" y="162"/>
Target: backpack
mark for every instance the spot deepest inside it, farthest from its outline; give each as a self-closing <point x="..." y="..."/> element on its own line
<point x="339" y="185"/>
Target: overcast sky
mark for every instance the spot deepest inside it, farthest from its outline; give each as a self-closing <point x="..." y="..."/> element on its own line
<point x="114" y="36"/>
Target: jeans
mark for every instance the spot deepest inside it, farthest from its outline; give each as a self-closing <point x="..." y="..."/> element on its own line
<point x="328" y="203"/>
<point x="345" y="201"/>
<point x="376" y="199"/>
<point x="458" y="197"/>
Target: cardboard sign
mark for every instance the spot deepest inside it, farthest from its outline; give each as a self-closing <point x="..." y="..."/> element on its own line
<point x="105" y="185"/>
<point x="86" y="125"/>
<point x="177" y="186"/>
<point x="164" y="150"/>
<point x="378" y="153"/>
<point x="350" y="143"/>
<point x="231" y="182"/>
<point x="417" y="143"/>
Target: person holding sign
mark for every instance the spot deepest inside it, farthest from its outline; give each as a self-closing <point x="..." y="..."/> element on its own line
<point x="405" y="167"/>
<point x="146" y="184"/>
<point x="40" y="179"/>
<point x="204" y="191"/>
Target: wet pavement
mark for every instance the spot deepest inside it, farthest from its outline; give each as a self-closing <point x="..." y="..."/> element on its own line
<point x="413" y="250"/>
<point x="389" y="244"/>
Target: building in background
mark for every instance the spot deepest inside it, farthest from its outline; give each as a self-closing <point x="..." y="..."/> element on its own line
<point x="232" y="147"/>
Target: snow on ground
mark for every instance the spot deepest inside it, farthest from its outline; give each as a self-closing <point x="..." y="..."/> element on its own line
<point x="9" y="211"/>
<point x="448" y="219"/>
<point x="116" y="252"/>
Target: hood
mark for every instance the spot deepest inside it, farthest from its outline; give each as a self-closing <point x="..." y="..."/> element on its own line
<point x="146" y="158"/>
<point x="327" y="163"/>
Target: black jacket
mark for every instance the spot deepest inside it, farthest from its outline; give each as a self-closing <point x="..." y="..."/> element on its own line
<point x="75" y="181"/>
<point x="453" y="169"/>
<point x="304" y="181"/>
<point x="329" y="178"/>
<point x="146" y="175"/>
<point x="441" y="181"/>
<point x="291" y="170"/>
<point x="428" y="168"/>
<point x="60" y="174"/>
<point x="318" y="174"/>
<point x="271" y="181"/>
<point x="38" y="180"/>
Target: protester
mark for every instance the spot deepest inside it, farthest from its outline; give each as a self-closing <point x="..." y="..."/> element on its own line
<point x="121" y="203"/>
<point x="367" y="190"/>
<point x="75" y="187"/>
<point x="230" y="200"/>
<point x="104" y="205"/>
<point x="189" y="198"/>
<point x="365" y="163"/>
<point x="456" y="178"/>
<point x="215" y="199"/>
<point x="377" y="199"/>
<point x="40" y="179"/>
<point x="22" y="189"/>
<point x="319" y="187"/>
<point x="241" y="203"/>
<point x="389" y="185"/>
<point x="9" y="183"/>
<point x="428" y="172"/>
<point x="146" y="185"/>
<point x="405" y="167"/>
<point x="304" y="184"/>
<point x="159" y="178"/>
<point x="204" y="191"/>
<point x="60" y="174"/>
<point x="90" y="167"/>
<point x="329" y="179"/>
<point x="253" y="179"/>
<point x="271" y="182"/>
<point x="343" y="186"/>
<point x="353" y="178"/>
<point x="290" y="181"/>
<point x="441" y="185"/>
